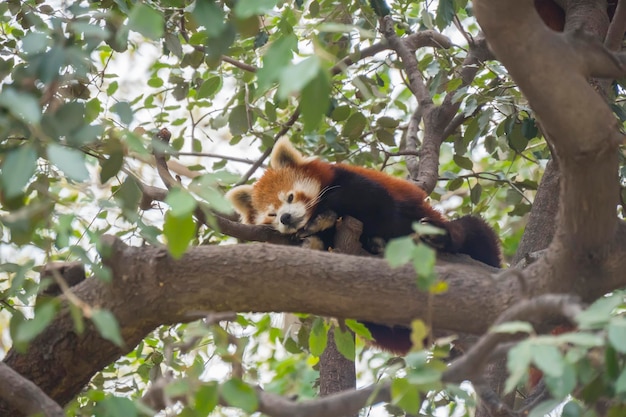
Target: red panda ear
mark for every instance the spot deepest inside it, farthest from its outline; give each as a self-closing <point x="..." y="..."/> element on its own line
<point x="284" y="155"/>
<point x="241" y="199"/>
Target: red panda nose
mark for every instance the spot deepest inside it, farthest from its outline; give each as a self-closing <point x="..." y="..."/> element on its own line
<point x="285" y="219"/>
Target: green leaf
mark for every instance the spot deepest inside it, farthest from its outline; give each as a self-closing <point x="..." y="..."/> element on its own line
<point x="544" y="408"/>
<point x="206" y="398"/>
<point x="344" y="340"/>
<point x="424" y="258"/>
<point x="617" y="333"/>
<point x="561" y="386"/>
<point x="35" y="42"/>
<point x="178" y="232"/>
<point x="517" y="140"/>
<point x="399" y="251"/>
<point x="17" y="169"/>
<point x="315" y="100"/>
<point x="107" y="326"/>
<point x="238" y="120"/>
<point x="68" y="160"/>
<point x="27" y="330"/>
<point x="209" y="15"/>
<point x="182" y="204"/>
<point x="359" y="329"/>
<point x="463" y="162"/>
<point x="277" y="57"/>
<point x="110" y="167"/>
<point x="548" y="359"/>
<point x="518" y="361"/>
<point x="241" y="395"/>
<point x="405" y="395"/>
<point x="248" y="8"/>
<point x="475" y="194"/>
<point x="293" y="78"/>
<point x="318" y="338"/>
<point x="620" y="383"/>
<point x="354" y="126"/>
<point x="21" y="105"/>
<point x="572" y="409"/>
<point x="118" y="406"/>
<point x="147" y="21"/>
<point x="445" y="13"/>
<point x="209" y="87"/>
<point x="129" y="194"/>
<point x="124" y="111"/>
<point x="598" y="313"/>
<point x="512" y="327"/>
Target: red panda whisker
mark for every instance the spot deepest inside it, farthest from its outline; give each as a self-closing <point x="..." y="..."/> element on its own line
<point x="317" y="199"/>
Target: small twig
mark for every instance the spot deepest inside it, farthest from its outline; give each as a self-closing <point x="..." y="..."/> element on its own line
<point x="218" y="156"/>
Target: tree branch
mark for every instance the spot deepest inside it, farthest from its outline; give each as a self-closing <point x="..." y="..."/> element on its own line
<point x="24" y="396"/>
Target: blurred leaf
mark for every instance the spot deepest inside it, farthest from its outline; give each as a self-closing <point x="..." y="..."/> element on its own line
<point x="27" y="330"/>
<point x="111" y="166"/>
<point x="399" y="251"/>
<point x="318" y="338"/>
<point x="238" y="120"/>
<point x="147" y="21"/>
<point x="178" y="232"/>
<point x="68" y="160"/>
<point x="405" y="395"/>
<point x="512" y="327"/>
<point x="344" y="340"/>
<point x="517" y="363"/>
<point x="293" y="78"/>
<point x="617" y="333"/>
<point x="18" y="168"/>
<point x="209" y="87"/>
<point x="182" y="204"/>
<point x="124" y="111"/>
<point x="207" y="398"/>
<point x="107" y="326"/>
<point x="117" y="406"/>
<point x="21" y="105"/>
<point x="239" y="394"/>
<point x="129" y="194"/>
<point x="354" y="126"/>
<point x="548" y="359"/>
<point x="209" y="15"/>
<point x="248" y="8"/>
<point x="277" y="57"/>
<point x="315" y="100"/>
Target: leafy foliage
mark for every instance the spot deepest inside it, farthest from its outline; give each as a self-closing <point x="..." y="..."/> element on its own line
<point x="84" y="91"/>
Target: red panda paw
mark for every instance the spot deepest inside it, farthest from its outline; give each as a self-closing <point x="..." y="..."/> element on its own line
<point x="313" y="243"/>
<point x="322" y="221"/>
<point x="438" y="240"/>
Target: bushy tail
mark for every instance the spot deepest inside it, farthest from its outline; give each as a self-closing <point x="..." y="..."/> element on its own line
<point x="396" y="340"/>
<point x="472" y="236"/>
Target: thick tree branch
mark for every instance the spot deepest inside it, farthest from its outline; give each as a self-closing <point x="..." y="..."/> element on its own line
<point x="617" y="28"/>
<point x="255" y="277"/>
<point x="578" y="124"/>
<point x="23" y="395"/>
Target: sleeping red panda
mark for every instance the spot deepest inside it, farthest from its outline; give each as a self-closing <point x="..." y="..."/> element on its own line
<point x="297" y="191"/>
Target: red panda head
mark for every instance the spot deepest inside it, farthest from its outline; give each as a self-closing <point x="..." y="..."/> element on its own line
<point x="285" y="196"/>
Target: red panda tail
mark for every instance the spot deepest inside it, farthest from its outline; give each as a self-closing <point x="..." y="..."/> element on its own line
<point x="396" y="340"/>
<point x="472" y="236"/>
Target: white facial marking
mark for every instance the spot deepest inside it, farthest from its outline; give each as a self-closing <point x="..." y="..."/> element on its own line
<point x="294" y="213"/>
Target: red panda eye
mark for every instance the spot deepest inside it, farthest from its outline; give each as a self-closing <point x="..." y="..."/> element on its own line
<point x="290" y="198"/>
<point x="272" y="215"/>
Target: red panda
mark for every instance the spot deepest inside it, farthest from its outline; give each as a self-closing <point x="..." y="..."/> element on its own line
<point x="296" y="191"/>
